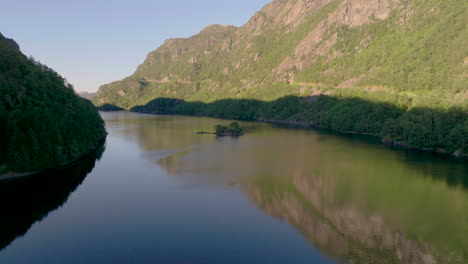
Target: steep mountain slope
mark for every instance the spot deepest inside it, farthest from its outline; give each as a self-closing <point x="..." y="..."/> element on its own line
<point x="43" y="123"/>
<point x="408" y="54"/>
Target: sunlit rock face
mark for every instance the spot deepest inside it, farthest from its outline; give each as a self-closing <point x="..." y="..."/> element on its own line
<point x="306" y="44"/>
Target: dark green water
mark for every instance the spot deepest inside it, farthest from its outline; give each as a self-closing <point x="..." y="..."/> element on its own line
<point x="159" y="193"/>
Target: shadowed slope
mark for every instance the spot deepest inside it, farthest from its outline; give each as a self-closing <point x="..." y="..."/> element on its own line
<point x="442" y="130"/>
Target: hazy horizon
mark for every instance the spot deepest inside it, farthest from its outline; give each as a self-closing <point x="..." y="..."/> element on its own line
<point x="91" y="44"/>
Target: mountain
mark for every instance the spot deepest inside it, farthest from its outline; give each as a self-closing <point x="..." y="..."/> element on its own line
<point x="393" y="68"/>
<point x="43" y="122"/>
<point x="87" y="95"/>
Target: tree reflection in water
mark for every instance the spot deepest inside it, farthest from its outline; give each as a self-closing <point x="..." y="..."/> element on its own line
<point x="30" y="199"/>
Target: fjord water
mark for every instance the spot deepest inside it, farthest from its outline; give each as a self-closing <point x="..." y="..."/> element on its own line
<point x="160" y="193"/>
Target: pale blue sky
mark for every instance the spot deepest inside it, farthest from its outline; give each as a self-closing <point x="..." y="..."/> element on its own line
<point x="93" y="42"/>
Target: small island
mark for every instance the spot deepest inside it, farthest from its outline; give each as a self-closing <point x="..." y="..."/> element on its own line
<point x="233" y="130"/>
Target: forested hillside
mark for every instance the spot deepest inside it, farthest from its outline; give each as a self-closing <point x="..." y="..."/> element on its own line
<point x="394" y="68"/>
<point x="43" y="123"/>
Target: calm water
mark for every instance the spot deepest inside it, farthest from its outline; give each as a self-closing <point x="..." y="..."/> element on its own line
<point x="159" y="193"/>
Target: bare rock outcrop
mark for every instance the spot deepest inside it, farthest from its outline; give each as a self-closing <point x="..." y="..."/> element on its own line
<point x="350" y="13"/>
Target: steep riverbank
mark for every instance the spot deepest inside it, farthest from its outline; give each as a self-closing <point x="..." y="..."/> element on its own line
<point x="439" y="130"/>
<point x="383" y="140"/>
<point x="12" y="176"/>
<point x="311" y="125"/>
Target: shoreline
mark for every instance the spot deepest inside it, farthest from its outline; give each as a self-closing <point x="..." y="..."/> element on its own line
<point x="383" y="140"/>
<point x="310" y="125"/>
<point x="220" y="134"/>
<point x="13" y="176"/>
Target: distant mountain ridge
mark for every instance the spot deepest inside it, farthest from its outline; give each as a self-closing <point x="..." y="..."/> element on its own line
<point x="87" y="95"/>
<point x="410" y="54"/>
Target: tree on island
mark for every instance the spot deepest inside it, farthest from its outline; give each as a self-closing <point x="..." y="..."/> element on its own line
<point x="233" y="128"/>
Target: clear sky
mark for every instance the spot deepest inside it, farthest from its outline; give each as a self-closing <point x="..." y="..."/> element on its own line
<point x="93" y="42"/>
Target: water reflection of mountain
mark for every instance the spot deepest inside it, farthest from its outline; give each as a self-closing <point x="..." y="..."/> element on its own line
<point x="368" y="205"/>
<point x="270" y="146"/>
<point x="325" y="212"/>
<point x="28" y="200"/>
<point x="356" y="201"/>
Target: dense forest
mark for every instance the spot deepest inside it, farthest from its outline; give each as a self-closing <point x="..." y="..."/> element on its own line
<point x="43" y="123"/>
<point x="396" y="69"/>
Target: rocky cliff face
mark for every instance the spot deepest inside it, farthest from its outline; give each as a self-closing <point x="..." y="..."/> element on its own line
<point x="309" y="47"/>
<point x="212" y="39"/>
